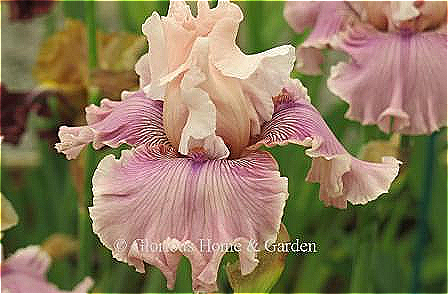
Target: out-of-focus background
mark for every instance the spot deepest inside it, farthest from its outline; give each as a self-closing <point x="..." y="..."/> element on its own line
<point x="46" y="83"/>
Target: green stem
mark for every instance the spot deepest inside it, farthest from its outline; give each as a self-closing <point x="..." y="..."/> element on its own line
<point x="422" y="229"/>
<point x="366" y="231"/>
<point x="85" y="232"/>
<point x="91" y="33"/>
<point x="405" y="148"/>
<point x="254" y="17"/>
<point x="405" y="141"/>
<point x="162" y="7"/>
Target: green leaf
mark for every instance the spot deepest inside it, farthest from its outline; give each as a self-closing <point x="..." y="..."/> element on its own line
<point x="265" y="275"/>
<point x="389" y="276"/>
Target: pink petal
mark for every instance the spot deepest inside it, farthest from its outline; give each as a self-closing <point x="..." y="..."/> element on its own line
<point x="152" y="196"/>
<point x="192" y="89"/>
<point x="179" y="35"/>
<point x="301" y="14"/>
<point x="143" y="69"/>
<point x="392" y="75"/>
<point x="262" y="75"/>
<point x="326" y="19"/>
<point x="180" y="12"/>
<point x="73" y="140"/>
<point x="217" y="108"/>
<point x="207" y="18"/>
<point x="342" y="177"/>
<point x="31" y="260"/>
<point x="355" y="180"/>
<point x="25" y="272"/>
<point x="134" y="121"/>
<point x="333" y="18"/>
<point x="157" y="61"/>
<point x="309" y="60"/>
<point x="201" y="123"/>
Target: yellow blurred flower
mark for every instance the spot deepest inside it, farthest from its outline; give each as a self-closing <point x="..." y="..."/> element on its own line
<point x="9" y="217"/>
<point x="62" y="60"/>
<point x="60" y="245"/>
<point x="375" y="150"/>
<point x="62" y="63"/>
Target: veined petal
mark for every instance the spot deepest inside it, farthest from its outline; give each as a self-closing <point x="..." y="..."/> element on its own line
<point x="134" y="121"/>
<point x="393" y="76"/>
<point x="295" y="120"/>
<point x="152" y="196"/>
<point x="342" y="177"/>
<point x="25" y="272"/>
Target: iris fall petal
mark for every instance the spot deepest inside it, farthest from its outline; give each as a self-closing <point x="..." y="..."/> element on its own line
<point x="342" y="177"/>
<point x="152" y="195"/>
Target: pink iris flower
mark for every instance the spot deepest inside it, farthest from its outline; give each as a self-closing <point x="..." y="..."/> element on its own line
<point x="397" y="75"/>
<point x="25" y="272"/>
<point x="194" y="174"/>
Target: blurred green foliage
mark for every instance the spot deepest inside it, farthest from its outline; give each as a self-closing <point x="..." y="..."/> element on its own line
<point x="367" y="248"/>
